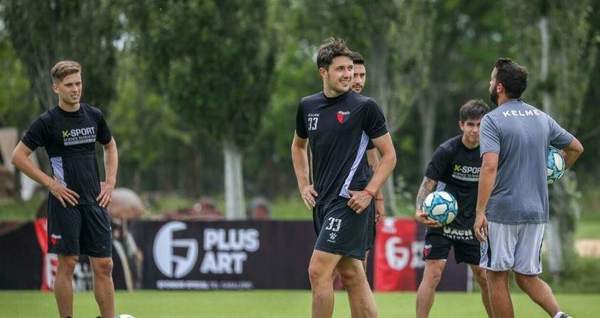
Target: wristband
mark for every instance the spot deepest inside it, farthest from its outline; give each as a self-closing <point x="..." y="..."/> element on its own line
<point x="369" y="192"/>
<point x="379" y="199"/>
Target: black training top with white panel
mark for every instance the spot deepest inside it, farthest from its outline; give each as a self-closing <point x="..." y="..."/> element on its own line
<point x="70" y="141"/>
<point x="339" y="130"/>
<point x="457" y="168"/>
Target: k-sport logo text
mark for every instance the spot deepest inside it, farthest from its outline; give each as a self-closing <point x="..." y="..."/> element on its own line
<point x="78" y="136"/>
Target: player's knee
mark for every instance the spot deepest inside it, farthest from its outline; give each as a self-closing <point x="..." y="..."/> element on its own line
<point x="349" y="276"/>
<point x="315" y="272"/>
<point x="497" y="277"/>
<point x="481" y="277"/>
<point x="435" y="277"/>
<point x="524" y="280"/>
<point x="103" y="267"/>
<point x="67" y="264"/>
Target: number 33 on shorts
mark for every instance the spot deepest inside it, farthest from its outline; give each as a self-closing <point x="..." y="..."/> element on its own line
<point x="334" y="224"/>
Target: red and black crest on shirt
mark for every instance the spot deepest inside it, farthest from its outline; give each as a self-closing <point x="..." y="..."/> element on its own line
<point x="342" y="116"/>
<point x="426" y="250"/>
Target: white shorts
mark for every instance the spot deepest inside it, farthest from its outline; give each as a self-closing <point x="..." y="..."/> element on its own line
<point x="516" y="247"/>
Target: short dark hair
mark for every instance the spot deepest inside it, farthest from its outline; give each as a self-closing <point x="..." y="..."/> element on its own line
<point x="512" y="76"/>
<point x="357" y="58"/>
<point x="473" y="109"/>
<point x="330" y="49"/>
<point x="62" y="69"/>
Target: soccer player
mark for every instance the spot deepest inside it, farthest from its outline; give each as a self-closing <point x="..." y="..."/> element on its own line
<point x="512" y="202"/>
<point x="338" y="124"/>
<point x="78" y="222"/>
<point x="358" y="84"/>
<point x="454" y="168"/>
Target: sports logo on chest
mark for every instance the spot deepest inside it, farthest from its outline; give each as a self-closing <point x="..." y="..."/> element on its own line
<point x="465" y="173"/>
<point x="342" y="116"/>
<point x="77" y="136"/>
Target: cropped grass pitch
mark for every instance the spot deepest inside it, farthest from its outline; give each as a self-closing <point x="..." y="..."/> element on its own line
<point x="274" y="304"/>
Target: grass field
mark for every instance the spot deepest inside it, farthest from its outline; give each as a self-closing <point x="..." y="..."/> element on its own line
<point x="276" y="304"/>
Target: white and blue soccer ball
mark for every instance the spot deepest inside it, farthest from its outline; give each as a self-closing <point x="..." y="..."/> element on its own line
<point x="125" y="316"/>
<point x="555" y="165"/>
<point x="440" y="206"/>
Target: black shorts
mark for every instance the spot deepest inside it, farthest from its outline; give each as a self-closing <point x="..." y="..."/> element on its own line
<point x="438" y="242"/>
<point x="340" y="230"/>
<point x="78" y="230"/>
<point x="372" y="227"/>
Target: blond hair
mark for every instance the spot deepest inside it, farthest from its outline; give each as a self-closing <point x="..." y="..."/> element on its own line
<point x="63" y="69"/>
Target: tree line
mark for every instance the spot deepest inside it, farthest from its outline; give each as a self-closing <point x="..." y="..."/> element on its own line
<point x="202" y="95"/>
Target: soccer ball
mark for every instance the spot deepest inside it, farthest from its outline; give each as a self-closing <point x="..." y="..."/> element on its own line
<point x="441" y="206"/>
<point x="125" y="316"/>
<point x="555" y="165"/>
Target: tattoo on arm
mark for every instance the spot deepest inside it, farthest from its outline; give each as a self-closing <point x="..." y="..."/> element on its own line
<point x="427" y="186"/>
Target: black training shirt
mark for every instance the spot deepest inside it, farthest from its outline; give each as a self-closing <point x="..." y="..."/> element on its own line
<point x="339" y="130"/>
<point x="457" y="168"/>
<point x="70" y="141"/>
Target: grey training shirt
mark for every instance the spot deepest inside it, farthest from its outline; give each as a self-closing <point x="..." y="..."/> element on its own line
<point x="520" y="134"/>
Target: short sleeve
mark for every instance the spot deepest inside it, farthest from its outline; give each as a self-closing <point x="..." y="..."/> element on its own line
<point x="300" y="125"/>
<point x="559" y="137"/>
<point x="104" y="136"/>
<point x="438" y="166"/>
<point x="36" y="135"/>
<point x="489" y="136"/>
<point x="374" y="120"/>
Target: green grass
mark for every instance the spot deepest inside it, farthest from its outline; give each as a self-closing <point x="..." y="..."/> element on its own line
<point x="588" y="226"/>
<point x="290" y="208"/>
<point x="11" y="209"/>
<point x="265" y="304"/>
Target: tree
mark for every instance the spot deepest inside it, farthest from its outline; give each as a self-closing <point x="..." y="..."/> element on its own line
<point x="557" y="44"/>
<point x="214" y="61"/>
<point x="14" y="101"/>
<point x="43" y="32"/>
<point x="149" y="131"/>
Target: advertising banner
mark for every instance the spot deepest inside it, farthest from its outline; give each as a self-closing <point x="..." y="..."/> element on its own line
<point x="398" y="261"/>
<point x="225" y="254"/>
<point x="203" y="255"/>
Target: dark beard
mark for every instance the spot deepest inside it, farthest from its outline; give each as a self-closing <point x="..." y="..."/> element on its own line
<point x="494" y="96"/>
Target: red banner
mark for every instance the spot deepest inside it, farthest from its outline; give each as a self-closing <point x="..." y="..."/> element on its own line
<point x="50" y="261"/>
<point x="395" y="260"/>
<point x="398" y="262"/>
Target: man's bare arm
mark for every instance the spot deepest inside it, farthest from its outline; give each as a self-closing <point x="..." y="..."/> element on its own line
<point x="111" y="164"/>
<point x="301" y="169"/>
<point x="487" y="179"/>
<point x="385" y="165"/>
<point x="21" y="160"/>
<point x="427" y="186"/>
<point x="373" y="161"/>
<point x="572" y="152"/>
<point x="111" y="161"/>
<point x="373" y="158"/>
